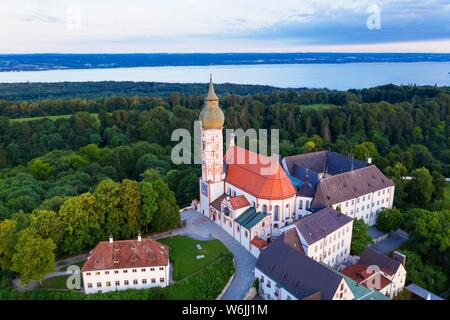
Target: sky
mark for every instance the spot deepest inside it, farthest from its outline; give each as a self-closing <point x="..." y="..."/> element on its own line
<point x="125" y="26"/>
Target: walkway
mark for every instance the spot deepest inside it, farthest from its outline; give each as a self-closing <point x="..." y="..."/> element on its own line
<point x="201" y="228"/>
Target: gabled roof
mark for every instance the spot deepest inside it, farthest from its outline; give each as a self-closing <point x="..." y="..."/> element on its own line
<point x="295" y="272"/>
<point x="318" y="225"/>
<point x="258" y="175"/>
<point x="290" y="238"/>
<point x="216" y="204"/>
<point x="249" y="218"/>
<point x="127" y="254"/>
<point x="323" y="161"/>
<point x="350" y="185"/>
<point x="359" y="291"/>
<point x="370" y="256"/>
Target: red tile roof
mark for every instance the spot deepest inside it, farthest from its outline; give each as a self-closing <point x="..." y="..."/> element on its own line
<point x="358" y="272"/>
<point x="259" y="243"/>
<point x="239" y="202"/>
<point x="257" y="174"/>
<point x="127" y="254"/>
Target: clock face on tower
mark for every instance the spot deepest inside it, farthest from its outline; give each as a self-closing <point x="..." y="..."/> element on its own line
<point x="204" y="188"/>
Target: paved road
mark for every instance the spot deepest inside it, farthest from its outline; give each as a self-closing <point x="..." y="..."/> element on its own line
<point x="201" y="228"/>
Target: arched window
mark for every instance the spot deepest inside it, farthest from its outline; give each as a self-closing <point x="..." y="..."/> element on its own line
<point x="307" y="204"/>
<point x="253" y="204"/>
<point x="287" y="213"/>
<point x="233" y="193"/>
<point x="265" y="208"/>
<point x="300" y="205"/>
<point x="246" y="234"/>
<point x="228" y="191"/>
<point x="277" y="213"/>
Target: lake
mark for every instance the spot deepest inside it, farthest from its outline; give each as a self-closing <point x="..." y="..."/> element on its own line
<point x="333" y="76"/>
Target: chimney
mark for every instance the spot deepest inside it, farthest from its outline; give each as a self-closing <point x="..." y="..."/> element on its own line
<point x="139" y="237"/>
<point x="369" y="160"/>
<point x="111" y="240"/>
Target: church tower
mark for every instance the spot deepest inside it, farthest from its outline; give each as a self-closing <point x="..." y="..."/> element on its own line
<point x="212" y="179"/>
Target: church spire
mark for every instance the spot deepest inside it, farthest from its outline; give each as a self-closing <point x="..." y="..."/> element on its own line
<point x="211" y="94"/>
<point x="211" y="116"/>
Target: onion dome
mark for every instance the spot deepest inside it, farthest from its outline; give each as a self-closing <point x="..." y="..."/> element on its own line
<point x="211" y="115"/>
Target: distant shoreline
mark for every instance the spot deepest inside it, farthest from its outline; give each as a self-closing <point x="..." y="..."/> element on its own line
<point x="52" y="61"/>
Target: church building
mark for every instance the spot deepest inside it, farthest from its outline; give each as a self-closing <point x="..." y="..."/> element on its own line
<point x="235" y="191"/>
<point x="254" y="197"/>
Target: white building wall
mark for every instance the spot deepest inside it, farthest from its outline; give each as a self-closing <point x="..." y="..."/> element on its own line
<point x="255" y="251"/>
<point x="343" y="292"/>
<point x="397" y="282"/>
<point x="286" y="206"/>
<point x="245" y="235"/>
<point x="367" y="206"/>
<point x="268" y="289"/>
<point x="334" y="248"/>
<point x="302" y="204"/>
<point x="105" y="280"/>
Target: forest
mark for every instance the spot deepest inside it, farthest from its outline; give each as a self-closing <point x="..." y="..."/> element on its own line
<point x="112" y="151"/>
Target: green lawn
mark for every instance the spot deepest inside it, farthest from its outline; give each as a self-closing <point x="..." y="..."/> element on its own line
<point x="183" y="251"/>
<point x="61" y="281"/>
<point x="57" y="283"/>
<point x="53" y="118"/>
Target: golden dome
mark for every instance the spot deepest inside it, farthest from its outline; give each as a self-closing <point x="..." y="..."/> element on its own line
<point x="211" y="115"/>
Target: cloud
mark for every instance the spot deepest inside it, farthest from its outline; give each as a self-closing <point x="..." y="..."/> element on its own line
<point x="41" y="17"/>
<point x="206" y="25"/>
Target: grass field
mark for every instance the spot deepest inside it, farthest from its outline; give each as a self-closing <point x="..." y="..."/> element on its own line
<point x="183" y="252"/>
<point x="61" y="281"/>
<point x="57" y="283"/>
<point x="53" y="118"/>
